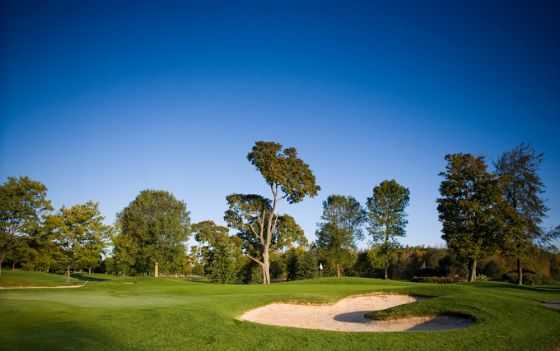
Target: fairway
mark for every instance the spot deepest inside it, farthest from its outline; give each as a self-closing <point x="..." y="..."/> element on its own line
<point x="168" y="314"/>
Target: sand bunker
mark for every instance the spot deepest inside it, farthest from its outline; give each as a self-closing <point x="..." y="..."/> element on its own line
<point x="349" y="315"/>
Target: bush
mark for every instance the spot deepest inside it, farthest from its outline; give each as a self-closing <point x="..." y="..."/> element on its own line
<point x="437" y="280"/>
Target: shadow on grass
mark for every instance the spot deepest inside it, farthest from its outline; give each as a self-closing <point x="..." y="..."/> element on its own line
<point x="493" y="285"/>
<point x="88" y="278"/>
<point x="59" y="336"/>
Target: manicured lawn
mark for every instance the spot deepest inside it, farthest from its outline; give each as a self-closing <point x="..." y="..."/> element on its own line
<point x="19" y="278"/>
<point x="167" y="314"/>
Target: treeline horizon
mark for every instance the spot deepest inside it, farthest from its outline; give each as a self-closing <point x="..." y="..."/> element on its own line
<point x="492" y="226"/>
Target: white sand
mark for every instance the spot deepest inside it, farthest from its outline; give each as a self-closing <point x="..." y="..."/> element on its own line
<point x="349" y="315"/>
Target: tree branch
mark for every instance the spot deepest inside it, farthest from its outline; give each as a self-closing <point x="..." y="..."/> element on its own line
<point x="255" y="259"/>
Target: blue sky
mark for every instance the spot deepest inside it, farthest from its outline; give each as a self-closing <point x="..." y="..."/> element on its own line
<point x="100" y="100"/>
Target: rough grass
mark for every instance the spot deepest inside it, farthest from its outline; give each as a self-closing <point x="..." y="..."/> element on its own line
<point x="171" y="314"/>
<point x="19" y="278"/>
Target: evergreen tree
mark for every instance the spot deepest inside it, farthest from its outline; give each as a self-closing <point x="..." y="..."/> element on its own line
<point x="387" y="217"/>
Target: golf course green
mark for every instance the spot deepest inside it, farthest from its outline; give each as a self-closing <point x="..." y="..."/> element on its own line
<point x="174" y="314"/>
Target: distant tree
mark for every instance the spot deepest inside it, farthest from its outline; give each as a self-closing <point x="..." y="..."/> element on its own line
<point x="81" y="235"/>
<point x="469" y="208"/>
<point x="387" y="217"/>
<point x="221" y="252"/>
<point x="23" y="206"/>
<point x="293" y="262"/>
<point x="523" y="189"/>
<point x="247" y="214"/>
<point x="125" y="252"/>
<point x="340" y="228"/>
<point x="20" y="251"/>
<point x="153" y="230"/>
<point x="289" y="178"/>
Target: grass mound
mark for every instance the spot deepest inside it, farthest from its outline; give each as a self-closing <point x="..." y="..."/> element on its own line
<point x="17" y="278"/>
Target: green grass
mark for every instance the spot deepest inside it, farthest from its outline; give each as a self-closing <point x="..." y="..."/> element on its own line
<point x="19" y="278"/>
<point x="171" y="314"/>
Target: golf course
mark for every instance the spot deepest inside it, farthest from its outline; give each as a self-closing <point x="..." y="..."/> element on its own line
<point x="172" y="314"/>
<point x="279" y="176"/>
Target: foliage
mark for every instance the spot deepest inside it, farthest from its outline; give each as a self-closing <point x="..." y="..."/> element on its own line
<point x="23" y="206"/>
<point x="387" y="218"/>
<point x="301" y="264"/>
<point x="220" y="253"/>
<point x="80" y="234"/>
<point x="340" y="229"/>
<point x="255" y="217"/>
<point x="153" y="230"/>
<point x="283" y="169"/>
<point x="436" y="280"/>
<point x="522" y="189"/>
<point x="470" y="208"/>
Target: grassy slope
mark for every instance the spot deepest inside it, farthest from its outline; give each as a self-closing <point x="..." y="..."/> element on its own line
<point x="19" y="278"/>
<point x="145" y="314"/>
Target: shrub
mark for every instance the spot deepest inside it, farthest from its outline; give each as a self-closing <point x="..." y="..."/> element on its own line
<point x="437" y="280"/>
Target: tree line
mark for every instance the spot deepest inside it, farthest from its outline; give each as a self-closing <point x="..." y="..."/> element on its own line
<point x="483" y="212"/>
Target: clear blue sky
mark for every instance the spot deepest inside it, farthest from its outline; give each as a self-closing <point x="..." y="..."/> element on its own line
<point x="100" y="100"/>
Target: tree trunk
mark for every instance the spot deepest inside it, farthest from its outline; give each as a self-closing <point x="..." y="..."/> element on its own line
<point x="266" y="265"/>
<point x="472" y="276"/>
<point x="519" y="272"/>
<point x="13" y="266"/>
<point x="386" y="270"/>
<point x="68" y="272"/>
<point x="1" y="261"/>
<point x="156" y="270"/>
<point x="338" y="271"/>
<point x="89" y="271"/>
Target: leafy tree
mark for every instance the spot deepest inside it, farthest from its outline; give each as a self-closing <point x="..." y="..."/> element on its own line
<point x="23" y="206"/>
<point x="20" y="251"/>
<point x="387" y="217"/>
<point x="81" y="235"/>
<point x="248" y="215"/>
<point x="221" y="253"/>
<point x="294" y="260"/>
<point x="342" y="219"/>
<point x="255" y="217"/>
<point x="523" y="189"/>
<point x="470" y="208"/>
<point x="153" y="229"/>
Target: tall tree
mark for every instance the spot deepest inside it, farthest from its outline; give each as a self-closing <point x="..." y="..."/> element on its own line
<point x="342" y="219"/>
<point x="248" y="215"/>
<point x="154" y="228"/>
<point x="23" y="206"/>
<point x="523" y="189"/>
<point x="469" y="208"/>
<point x="289" y="178"/>
<point x="387" y="217"/>
<point x="81" y="234"/>
<point x="221" y="252"/>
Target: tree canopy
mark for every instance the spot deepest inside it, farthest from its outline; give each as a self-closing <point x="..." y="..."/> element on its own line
<point x="153" y="230"/>
<point x="23" y="206"/>
<point x="342" y="219"/>
<point x="255" y="217"/>
<point x="81" y="235"/>
<point x="387" y="217"/>
<point x="522" y="190"/>
<point x="469" y="208"/>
